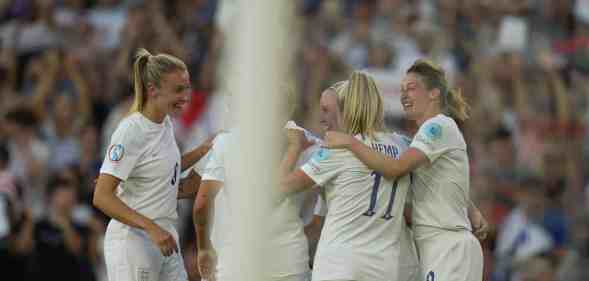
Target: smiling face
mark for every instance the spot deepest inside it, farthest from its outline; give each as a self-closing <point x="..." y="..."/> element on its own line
<point x="329" y="116"/>
<point x="173" y="92"/>
<point x="416" y="99"/>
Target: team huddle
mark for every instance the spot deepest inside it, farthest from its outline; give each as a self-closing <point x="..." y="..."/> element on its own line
<point x="388" y="207"/>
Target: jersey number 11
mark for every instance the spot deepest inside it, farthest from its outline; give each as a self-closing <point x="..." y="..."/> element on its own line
<point x="373" y="197"/>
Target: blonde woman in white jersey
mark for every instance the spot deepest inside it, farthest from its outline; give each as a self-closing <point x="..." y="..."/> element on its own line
<point x="307" y="204"/>
<point x="139" y="182"/>
<point x="442" y="211"/>
<point x="364" y="221"/>
<point x="328" y="118"/>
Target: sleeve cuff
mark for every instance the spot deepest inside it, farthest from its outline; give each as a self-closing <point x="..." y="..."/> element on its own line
<point x="310" y="170"/>
<point x="114" y="174"/>
<point x="216" y="174"/>
<point x="423" y="148"/>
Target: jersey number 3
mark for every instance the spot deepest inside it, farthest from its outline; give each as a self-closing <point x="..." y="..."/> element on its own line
<point x="373" y="197"/>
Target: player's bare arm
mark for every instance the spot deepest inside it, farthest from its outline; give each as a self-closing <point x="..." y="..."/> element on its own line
<point x="294" y="181"/>
<point x="106" y="200"/>
<point x="190" y="158"/>
<point x="480" y="226"/>
<point x="188" y="186"/>
<point x="387" y="166"/>
<point x="204" y="202"/>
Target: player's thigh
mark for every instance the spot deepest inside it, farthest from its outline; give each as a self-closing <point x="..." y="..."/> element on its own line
<point x="132" y="257"/>
<point x="458" y="257"/>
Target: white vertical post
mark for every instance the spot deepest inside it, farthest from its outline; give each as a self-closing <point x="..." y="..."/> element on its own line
<point x="258" y="49"/>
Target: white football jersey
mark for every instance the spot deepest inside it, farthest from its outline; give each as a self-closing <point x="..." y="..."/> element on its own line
<point x="441" y="189"/>
<point x="145" y="157"/>
<point x="360" y="237"/>
<point x="290" y="216"/>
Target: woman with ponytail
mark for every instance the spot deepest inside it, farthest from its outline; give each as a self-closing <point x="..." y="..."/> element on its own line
<point x="445" y="222"/>
<point x="364" y="225"/>
<point x="139" y="184"/>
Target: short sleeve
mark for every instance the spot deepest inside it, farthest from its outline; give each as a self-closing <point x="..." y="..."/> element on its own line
<point x="433" y="139"/>
<point x="123" y="153"/>
<point x="323" y="165"/>
<point x="214" y="169"/>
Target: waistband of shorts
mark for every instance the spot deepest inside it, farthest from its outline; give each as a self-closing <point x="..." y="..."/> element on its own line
<point x="423" y="227"/>
<point x="165" y="223"/>
<point x="428" y="231"/>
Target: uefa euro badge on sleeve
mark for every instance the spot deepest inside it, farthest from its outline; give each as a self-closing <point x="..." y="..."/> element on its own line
<point x="116" y="152"/>
<point x="321" y="154"/>
<point x="433" y="131"/>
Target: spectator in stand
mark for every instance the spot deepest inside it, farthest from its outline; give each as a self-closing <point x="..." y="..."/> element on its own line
<point x="29" y="156"/>
<point x="522" y="234"/>
<point x="61" y="244"/>
<point x="574" y="264"/>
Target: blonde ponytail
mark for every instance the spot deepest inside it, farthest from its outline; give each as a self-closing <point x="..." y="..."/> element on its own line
<point x="149" y="69"/>
<point x="456" y="105"/>
<point x="139" y="99"/>
<point x="361" y="105"/>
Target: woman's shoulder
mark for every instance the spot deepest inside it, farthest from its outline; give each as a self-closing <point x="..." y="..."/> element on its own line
<point x="440" y="125"/>
<point x="129" y="126"/>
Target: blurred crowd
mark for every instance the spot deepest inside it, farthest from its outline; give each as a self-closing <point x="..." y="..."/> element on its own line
<point x="523" y="65"/>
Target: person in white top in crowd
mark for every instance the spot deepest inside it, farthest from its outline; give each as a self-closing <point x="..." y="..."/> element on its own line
<point x="364" y="221"/>
<point x="442" y="211"/>
<point x="139" y="182"/>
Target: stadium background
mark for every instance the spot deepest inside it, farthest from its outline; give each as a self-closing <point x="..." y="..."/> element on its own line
<point x="523" y="66"/>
